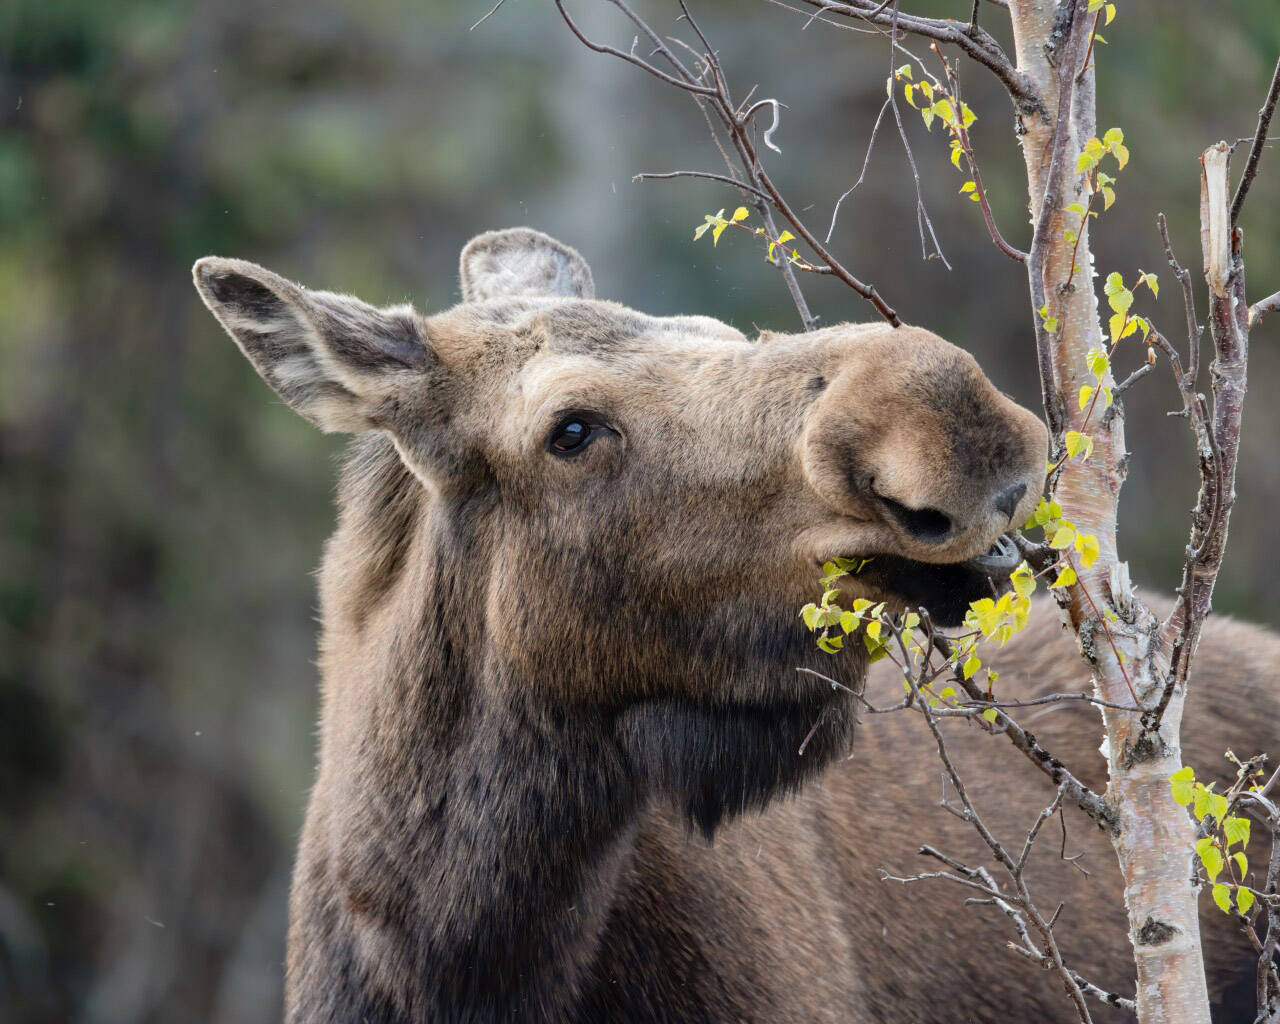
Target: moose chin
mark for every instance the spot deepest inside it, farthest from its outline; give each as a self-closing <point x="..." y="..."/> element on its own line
<point x="568" y="770"/>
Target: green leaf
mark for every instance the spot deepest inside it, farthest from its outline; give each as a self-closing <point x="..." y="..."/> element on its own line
<point x="1182" y="781"/>
<point x="904" y="71"/>
<point x="1219" y="805"/>
<point x="990" y="715"/>
<point x="1244" y="899"/>
<point x="926" y="115"/>
<point x="1077" y="209"/>
<point x="971" y="665"/>
<point x="702" y="230"/>
<point x="1064" y="537"/>
<point x="1201" y="806"/>
<point x="1086" y="393"/>
<point x="1222" y="897"/>
<point x="1151" y="282"/>
<point x="1121" y="301"/>
<point x="1078" y="444"/>
<point x="1114" y="284"/>
<point x="1236" y="830"/>
<point x="1121" y="153"/>
<point x="848" y="622"/>
<point x="1108" y="196"/>
<point x="1112" y="138"/>
<point x="1099" y="362"/>
<point x="1241" y="862"/>
<point x="1051" y="325"/>
<point x="1210" y="857"/>
<point x="1069" y="236"/>
<point x="967" y="116"/>
<point x="945" y="110"/>
<point x="810" y="614"/>
<point x="909" y="91"/>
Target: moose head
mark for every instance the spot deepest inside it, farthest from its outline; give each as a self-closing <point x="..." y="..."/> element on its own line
<point x="634" y="507"/>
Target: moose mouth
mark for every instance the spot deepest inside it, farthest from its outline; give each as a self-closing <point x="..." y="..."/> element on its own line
<point x="945" y="589"/>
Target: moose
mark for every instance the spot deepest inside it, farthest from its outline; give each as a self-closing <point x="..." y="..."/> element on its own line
<point x="568" y="770"/>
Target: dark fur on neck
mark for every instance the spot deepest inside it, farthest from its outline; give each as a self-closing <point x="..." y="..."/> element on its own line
<point x="464" y="865"/>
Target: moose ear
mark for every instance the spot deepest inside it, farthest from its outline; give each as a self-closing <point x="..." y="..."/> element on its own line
<point x="332" y="358"/>
<point x="520" y="261"/>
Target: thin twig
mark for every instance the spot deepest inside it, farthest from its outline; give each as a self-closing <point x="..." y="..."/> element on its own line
<point x="722" y="178"/>
<point x="1262" y="307"/>
<point x="866" y="160"/>
<point x="1259" y="141"/>
<point x="492" y="11"/>
<point x="975" y="43"/>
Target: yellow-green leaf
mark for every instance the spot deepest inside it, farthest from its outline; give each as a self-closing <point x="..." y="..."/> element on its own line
<point x="1066" y="578"/>
<point x="1078" y="444"/>
<point x="1236" y="830"/>
<point x="1063" y="538"/>
<point x="1182" y="781"/>
<point x="1210" y="857"/>
<point x="741" y="213"/>
<point x="1086" y="393"/>
<point x="1222" y="897"/>
<point x="1244" y="899"/>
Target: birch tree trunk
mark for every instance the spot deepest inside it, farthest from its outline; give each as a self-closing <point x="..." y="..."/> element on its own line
<point x="1118" y="636"/>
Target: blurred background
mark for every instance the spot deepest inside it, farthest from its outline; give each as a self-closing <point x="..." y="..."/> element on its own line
<point x="161" y="511"/>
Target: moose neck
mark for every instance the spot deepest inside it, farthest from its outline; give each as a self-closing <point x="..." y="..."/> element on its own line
<point x="472" y="829"/>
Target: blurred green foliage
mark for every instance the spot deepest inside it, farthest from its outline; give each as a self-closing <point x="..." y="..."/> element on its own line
<point x="160" y="510"/>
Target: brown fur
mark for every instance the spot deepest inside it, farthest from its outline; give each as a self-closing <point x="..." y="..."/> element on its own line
<point x="551" y="681"/>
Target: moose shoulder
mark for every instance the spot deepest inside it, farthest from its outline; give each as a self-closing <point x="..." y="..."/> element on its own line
<point x="568" y="770"/>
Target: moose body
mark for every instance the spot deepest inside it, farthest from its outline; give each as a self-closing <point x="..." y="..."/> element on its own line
<point x="568" y="770"/>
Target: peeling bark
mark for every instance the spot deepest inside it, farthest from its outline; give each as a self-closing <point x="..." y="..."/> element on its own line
<point x="1155" y="836"/>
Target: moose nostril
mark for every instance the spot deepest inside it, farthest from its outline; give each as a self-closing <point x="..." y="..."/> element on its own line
<point x="927" y="524"/>
<point x="1007" y="500"/>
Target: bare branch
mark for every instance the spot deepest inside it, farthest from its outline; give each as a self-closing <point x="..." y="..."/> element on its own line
<point x="973" y="41"/>
<point x="722" y="178"/>
<point x="1262" y="307"/>
<point x="630" y="58"/>
<point x="491" y="12"/>
<point x="866" y="160"/>
<point x="1194" y="330"/>
<point x="722" y="104"/>
<point x="1259" y="141"/>
<point x="1080" y="794"/>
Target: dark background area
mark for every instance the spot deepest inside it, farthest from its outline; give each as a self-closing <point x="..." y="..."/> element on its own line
<point x="160" y="510"/>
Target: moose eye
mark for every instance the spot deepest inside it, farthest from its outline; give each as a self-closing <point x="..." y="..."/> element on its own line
<point x="573" y="434"/>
